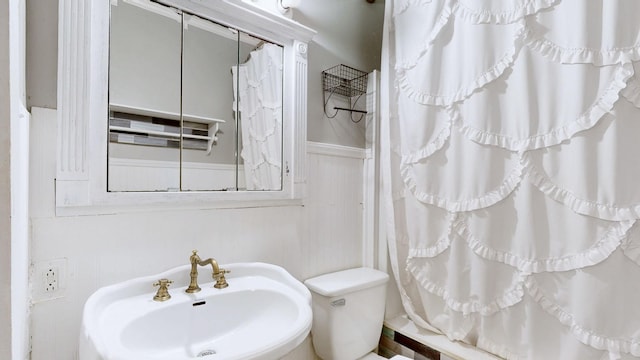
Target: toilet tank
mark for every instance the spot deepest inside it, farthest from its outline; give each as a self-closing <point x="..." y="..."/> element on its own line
<point x="348" y="311"/>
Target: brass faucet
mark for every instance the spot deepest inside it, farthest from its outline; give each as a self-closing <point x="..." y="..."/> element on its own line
<point x="218" y="273"/>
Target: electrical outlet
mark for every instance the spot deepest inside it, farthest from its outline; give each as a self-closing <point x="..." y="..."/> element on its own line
<point x="48" y="279"/>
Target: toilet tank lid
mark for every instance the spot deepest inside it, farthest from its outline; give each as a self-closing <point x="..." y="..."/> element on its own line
<point x="346" y="281"/>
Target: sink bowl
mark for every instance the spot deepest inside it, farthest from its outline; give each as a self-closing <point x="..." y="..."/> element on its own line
<point x="264" y="314"/>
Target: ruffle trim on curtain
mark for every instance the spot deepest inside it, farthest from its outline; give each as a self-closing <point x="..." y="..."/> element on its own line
<point x="514" y="12"/>
<point x="445" y="100"/>
<point x="631" y="246"/>
<point x="514" y="295"/>
<point x="440" y="245"/>
<point x="584" y="335"/>
<point x="509" y="297"/>
<point x="265" y="135"/>
<point x="488" y="75"/>
<point x="262" y="108"/>
<point x="510" y="14"/>
<point x="455" y="325"/>
<point x="262" y="162"/>
<point x="426" y="44"/>
<point x="406" y="300"/>
<point x="491" y="197"/>
<point x="632" y="91"/>
<point x="438" y="248"/>
<point x="603" y="105"/>
<point x="465" y="12"/>
<point x="605" y="33"/>
<point x="429" y="149"/>
<point x="402" y="5"/>
<point x="557" y="53"/>
<point x="487" y="343"/>
<point x="263" y="104"/>
<point x="595" y="254"/>
<point x="581" y="206"/>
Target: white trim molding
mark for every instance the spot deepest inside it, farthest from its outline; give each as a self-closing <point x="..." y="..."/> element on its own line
<point x="336" y="150"/>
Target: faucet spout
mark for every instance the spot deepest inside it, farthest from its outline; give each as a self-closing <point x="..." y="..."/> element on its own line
<point x="210" y="261"/>
<point x="217" y="272"/>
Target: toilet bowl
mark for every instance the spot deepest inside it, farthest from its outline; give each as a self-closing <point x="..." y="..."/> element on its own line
<point x="348" y="311"/>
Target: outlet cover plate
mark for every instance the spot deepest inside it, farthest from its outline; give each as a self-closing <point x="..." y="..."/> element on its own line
<point x="49" y="279"/>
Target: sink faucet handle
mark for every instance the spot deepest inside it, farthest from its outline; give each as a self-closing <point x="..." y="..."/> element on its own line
<point x="221" y="273"/>
<point x="163" y="282"/>
<point x="163" y="292"/>
<point x="221" y="281"/>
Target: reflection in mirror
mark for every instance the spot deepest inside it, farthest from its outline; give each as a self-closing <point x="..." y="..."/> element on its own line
<point x="144" y="98"/>
<point x="210" y="50"/>
<point x="258" y="95"/>
<point x="194" y="105"/>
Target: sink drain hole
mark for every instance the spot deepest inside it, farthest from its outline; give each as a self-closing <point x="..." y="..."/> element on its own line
<point x="207" y="352"/>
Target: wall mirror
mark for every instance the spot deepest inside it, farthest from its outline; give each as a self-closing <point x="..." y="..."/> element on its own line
<point x="194" y="105"/>
<point x="158" y="106"/>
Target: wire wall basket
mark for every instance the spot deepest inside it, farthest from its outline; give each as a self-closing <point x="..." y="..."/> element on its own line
<point x="346" y="81"/>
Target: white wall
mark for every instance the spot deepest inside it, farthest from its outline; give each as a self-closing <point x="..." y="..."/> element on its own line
<point x="349" y="33"/>
<point x="42" y="53"/>
<point x="5" y="186"/>
<point x="323" y="235"/>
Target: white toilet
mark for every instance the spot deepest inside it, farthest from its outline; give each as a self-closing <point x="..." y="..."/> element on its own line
<point x="348" y="311"/>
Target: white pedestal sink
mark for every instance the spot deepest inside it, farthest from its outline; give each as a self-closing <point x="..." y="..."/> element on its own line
<point x="263" y="314"/>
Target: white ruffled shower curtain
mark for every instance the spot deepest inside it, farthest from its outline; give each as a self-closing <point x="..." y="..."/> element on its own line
<point x="511" y="172"/>
<point x="258" y="98"/>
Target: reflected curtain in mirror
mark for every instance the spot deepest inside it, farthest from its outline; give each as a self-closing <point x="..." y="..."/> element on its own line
<point x="258" y="97"/>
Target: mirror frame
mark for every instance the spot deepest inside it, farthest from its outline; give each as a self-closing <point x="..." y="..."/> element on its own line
<point x="82" y="117"/>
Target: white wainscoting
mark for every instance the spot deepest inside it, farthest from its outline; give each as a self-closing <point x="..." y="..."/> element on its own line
<point x="335" y="206"/>
<point x="322" y="236"/>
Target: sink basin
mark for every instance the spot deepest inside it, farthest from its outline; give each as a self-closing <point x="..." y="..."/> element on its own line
<point x="263" y="314"/>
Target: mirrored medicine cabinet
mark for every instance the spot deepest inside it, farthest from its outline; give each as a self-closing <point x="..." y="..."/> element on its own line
<point x="193" y="105"/>
<point x="179" y="103"/>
